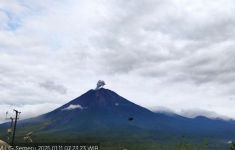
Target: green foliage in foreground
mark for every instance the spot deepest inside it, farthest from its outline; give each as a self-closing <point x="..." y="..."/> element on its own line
<point x="136" y="144"/>
<point x="138" y="141"/>
<point x="159" y="146"/>
<point x="232" y="147"/>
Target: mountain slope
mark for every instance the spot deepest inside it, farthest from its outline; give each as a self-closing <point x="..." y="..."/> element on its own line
<point x="99" y="109"/>
<point x="103" y="113"/>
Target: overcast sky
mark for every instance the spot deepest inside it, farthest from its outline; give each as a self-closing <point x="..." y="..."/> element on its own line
<point x="176" y="55"/>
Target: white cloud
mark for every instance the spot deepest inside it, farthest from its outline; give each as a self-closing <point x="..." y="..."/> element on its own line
<point x="72" y="107"/>
<point x="192" y="113"/>
<point x="27" y="110"/>
<point x="172" y="53"/>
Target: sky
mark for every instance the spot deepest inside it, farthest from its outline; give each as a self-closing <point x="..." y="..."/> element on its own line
<point x="171" y="55"/>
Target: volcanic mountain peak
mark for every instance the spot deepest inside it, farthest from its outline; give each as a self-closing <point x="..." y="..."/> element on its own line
<point x="97" y="99"/>
<point x="102" y="107"/>
<point x="103" y="111"/>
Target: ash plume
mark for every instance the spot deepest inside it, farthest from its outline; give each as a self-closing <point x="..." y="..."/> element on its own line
<point x="100" y="84"/>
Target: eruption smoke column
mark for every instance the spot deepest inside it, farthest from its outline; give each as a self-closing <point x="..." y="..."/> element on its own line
<point x="99" y="84"/>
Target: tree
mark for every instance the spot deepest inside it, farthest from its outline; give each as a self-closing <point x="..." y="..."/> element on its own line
<point x="232" y="147"/>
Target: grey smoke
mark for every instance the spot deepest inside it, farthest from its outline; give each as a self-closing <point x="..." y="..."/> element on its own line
<point x="100" y="84"/>
<point x="52" y="86"/>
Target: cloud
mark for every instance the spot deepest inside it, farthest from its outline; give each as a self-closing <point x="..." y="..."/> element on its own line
<point x="180" y="51"/>
<point x="194" y="47"/>
<point x="52" y="86"/>
<point x="162" y="109"/>
<point x="27" y="111"/>
<point x="72" y="107"/>
<point x="192" y="113"/>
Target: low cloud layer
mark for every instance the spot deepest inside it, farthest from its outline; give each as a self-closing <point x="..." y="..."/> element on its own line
<point x="72" y="107"/>
<point x="192" y="113"/>
<point x="173" y="53"/>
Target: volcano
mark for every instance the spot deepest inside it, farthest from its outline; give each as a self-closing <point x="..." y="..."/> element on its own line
<point x="100" y="109"/>
<point x="103" y="114"/>
<point x="95" y="111"/>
